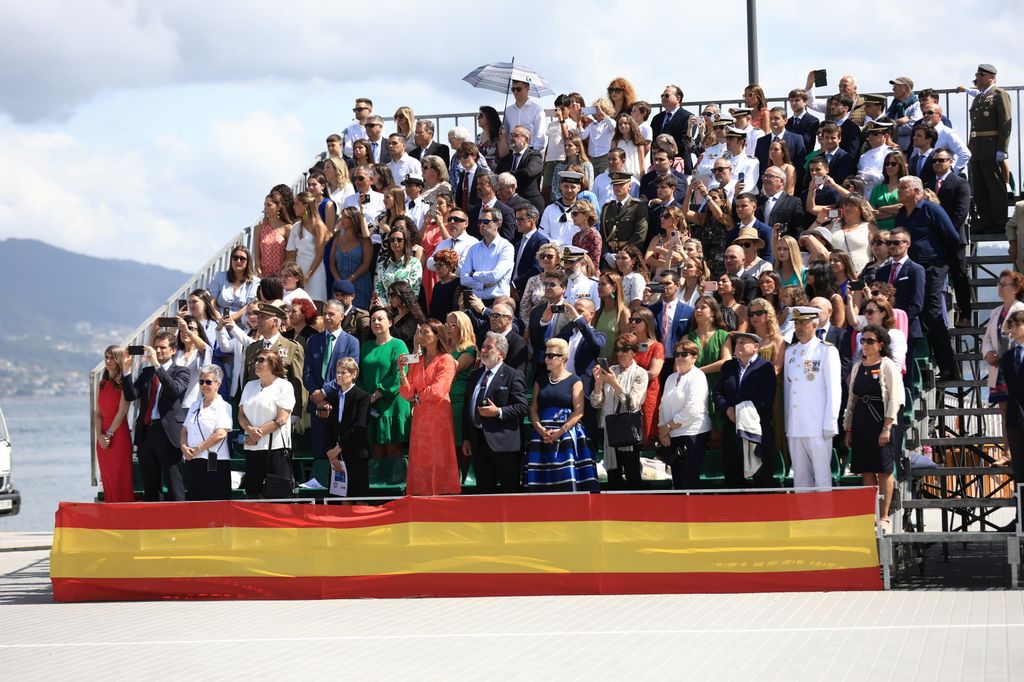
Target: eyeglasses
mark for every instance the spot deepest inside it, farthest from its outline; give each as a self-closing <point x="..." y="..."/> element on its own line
<point x="260" y="361"/>
<point x="373" y="125"/>
<point x="457" y="219"/>
<point x="549" y="356"/>
<point x="927" y="113"/>
<point x="552" y="285"/>
<point x="872" y="311"/>
<point x="240" y="259"/>
<point x="757" y="313"/>
<point x="719" y="170"/>
<point x="359" y="178"/>
<point x="499" y="316"/>
<point x="484" y="221"/>
<point x="940" y="160"/>
<point x="208" y="382"/>
<point x="868" y="341"/>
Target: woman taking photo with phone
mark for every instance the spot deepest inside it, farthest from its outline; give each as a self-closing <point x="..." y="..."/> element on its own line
<point x="618" y="389"/>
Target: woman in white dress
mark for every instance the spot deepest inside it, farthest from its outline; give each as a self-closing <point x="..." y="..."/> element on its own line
<point x="194" y="352"/>
<point x="306" y="244"/>
<point x="629" y="139"/>
<point x="264" y="413"/>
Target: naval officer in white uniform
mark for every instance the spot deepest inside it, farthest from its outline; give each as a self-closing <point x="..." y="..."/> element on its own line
<point x="812" y="397"/>
<point x="580" y="285"/>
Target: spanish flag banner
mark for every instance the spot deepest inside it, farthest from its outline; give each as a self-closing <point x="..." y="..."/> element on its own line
<point x="467" y="546"/>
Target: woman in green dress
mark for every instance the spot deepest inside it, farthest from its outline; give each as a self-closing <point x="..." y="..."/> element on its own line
<point x="613" y="315"/>
<point x="460" y="333"/>
<point x="390" y="413"/>
<point x="707" y="330"/>
<point x="884" y="197"/>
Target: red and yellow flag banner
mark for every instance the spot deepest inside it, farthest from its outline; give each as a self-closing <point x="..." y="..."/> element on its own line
<point x="467" y="546"/>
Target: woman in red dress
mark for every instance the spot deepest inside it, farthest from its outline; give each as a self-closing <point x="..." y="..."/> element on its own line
<point x="433" y="469"/>
<point x="652" y="358"/>
<point x="114" y="441"/>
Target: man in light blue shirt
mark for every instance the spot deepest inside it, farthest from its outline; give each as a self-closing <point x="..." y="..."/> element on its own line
<point x="487" y="266"/>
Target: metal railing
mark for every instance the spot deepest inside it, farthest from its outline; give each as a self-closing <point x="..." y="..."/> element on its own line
<point x="956" y="107"/>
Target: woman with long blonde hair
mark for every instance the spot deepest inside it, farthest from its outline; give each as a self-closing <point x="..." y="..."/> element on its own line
<point x="306" y="245"/>
<point x="462" y="347"/>
<point x="789" y="264"/>
<point x="339" y="183"/>
<point x="405" y="125"/>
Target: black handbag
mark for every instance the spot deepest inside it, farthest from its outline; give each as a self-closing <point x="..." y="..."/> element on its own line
<point x="624" y="429"/>
<point x="275" y="486"/>
<point x="669" y="454"/>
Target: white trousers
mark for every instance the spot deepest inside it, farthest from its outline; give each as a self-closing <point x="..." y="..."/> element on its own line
<point x="812" y="461"/>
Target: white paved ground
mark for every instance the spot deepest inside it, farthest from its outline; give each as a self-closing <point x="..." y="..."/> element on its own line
<point x="923" y="635"/>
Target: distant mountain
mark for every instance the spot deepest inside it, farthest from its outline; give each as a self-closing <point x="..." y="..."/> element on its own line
<point x="58" y="309"/>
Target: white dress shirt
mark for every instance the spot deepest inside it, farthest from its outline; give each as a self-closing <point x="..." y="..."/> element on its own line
<point x="370" y="210"/>
<point x="600" y="134"/>
<point x="354" y="132"/>
<point x="403" y="167"/>
<point x="950" y="139"/>
<point x="461" y="245"/>
<point x="487" y="268"/>
<point x="531" y="117"/>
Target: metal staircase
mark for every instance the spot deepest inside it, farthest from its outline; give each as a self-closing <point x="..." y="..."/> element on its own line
<point x="963" y="498"/>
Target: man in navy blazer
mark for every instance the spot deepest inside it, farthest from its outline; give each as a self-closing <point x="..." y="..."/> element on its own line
<point x="160" y="416"/>
<point x="661" y="165"/>
<point x="746" y="377"/>
<point x="423" y="137"/>
<point x="794" y="143"/>
<point x="585" y="344"/>
<point x="492" y="419"/>
<point x="954" y="194"/>
<point x="348" y="433"/>
<point x="675" y="121"/>
<point x="802" y="122"/>
<point x="525" y="265"/>
<point x="780" y="207"/>
<point x="679" y="315"/>
<point x="318" y="370"/>
<point x="909" y="281"/>
<point x="745" y="206"/>
<point x="526" y="164"/>
<point x="841" y="164"/>
<point x="486" y="186"/>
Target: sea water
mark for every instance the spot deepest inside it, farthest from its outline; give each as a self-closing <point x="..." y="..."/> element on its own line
<point x="50" y="438"/>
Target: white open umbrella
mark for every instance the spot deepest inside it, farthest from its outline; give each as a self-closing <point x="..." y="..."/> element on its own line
<point x="499" y="76"/>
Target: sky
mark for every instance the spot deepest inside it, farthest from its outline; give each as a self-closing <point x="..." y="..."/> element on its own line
<point x="153" y="130"/>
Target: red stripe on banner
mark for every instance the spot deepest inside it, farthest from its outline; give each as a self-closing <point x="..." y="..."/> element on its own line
<point x="482" y="509"/>
<point x="460" y="585"/>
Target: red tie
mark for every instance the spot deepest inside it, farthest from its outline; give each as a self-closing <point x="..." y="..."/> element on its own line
<point x="894" y="272"/>
<point x="938" y="185"/>
<point x="154" y="386"/>
<point x="465" y="191"/>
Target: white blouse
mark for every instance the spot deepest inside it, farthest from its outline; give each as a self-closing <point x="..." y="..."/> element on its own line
<point x="198" y="361"/>
<point x="260" y="406"/>
<point x="201" y="422"/>
<point x="685" y="401"/>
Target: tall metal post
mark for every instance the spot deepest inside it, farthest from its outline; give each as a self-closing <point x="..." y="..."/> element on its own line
<point x="752" y="41"/>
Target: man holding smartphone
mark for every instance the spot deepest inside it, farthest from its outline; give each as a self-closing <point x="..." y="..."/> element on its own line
<point x="546" y="321"/>
<point x="487" y="267"/>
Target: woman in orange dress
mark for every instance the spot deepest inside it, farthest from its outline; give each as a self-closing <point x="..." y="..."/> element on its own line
<point x="114" y="442"/>
<point x="433" y="468"/>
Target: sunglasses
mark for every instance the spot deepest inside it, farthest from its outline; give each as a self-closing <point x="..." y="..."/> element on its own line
<point x="746" y="245"/>
<point x="484" y="221"/>
<point x="518" y="88"/>
<point x="877" y="242"/>
<point x="240" y="259"/>
<point x="937" y="160"/>
<point x="207" y="382"/>
<point x="457" y="219"/>
<point x="872" y="311"/>
<point x="636" y="320"/>
<point x="891" y="163"/>
<point x="719" y="170"/>
<point x="548" y="356"/>
<point x="360" y="108"/>
<point x="397" y="240"/>
<point x="685" y="353"/>
<point x="373" y="125"/>
<point x="868" y="341"/>
<point x="616" y="90"/>
<point x="260" y="361"/>
<point x="552" y="285"/>
<point x="547" y="256"/>
<point x="758" y="313"/>
<point x="359" y="178"/>
<point x="894" y="242"/>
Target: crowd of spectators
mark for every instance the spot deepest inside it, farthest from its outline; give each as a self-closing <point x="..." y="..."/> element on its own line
<point x="754" y="280"/>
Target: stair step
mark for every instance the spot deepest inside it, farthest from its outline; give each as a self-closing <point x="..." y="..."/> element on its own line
<point x="923" y="472"/>
<point x="963" y="412"/>
<point x="969" y="440"/>
<point x="966" y="331"/>
<point x="984" y="281"/>
<point x="962" y="383"/>
<point x="996" y="237"/>
<point x="988" y="260"/>
<point x="960" y="503"/>
<point x="962" y="536"/>
<point x="968" y="357"/>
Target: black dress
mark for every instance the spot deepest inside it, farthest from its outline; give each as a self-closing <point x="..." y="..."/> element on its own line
<point x="868" y="417"/>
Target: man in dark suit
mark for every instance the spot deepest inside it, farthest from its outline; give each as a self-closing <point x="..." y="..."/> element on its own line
<point x="507" y="186"/>
<point x="159" y="389"/>
<point x="675" y="121"/>
<point x="775" y="206"/>
<point x="664" y="198"/>
<point x="954" y="194"/>
<point x="745" y="207"/>
<point x="794" y="143"/>
<point x="1012" y="365"/>
<point x="501" y="318"/>
<point x="423" y="136"/>
<point x="465" y="191"/>
<point x="839" y="108"/>
<point x="493" y="419"/>
<point x="549" y="318"/>
<point x="486" y="184"/>
<point x="908" y="278"/>
<point x="269" y="319"/>
<point x="322" y="353"/>
<point x="585" y="344"/>
<point x="802" y="122"/>
<point x="747" y="377"/>
<point x="526" y="164"/>
<point x="841" y="164"/>
<point x="661" y="165"/>
<point x="530" y="239"/>
<point x="919" y="163"/>
<point x="671" y="319"/>
<point x="348" y="418"/>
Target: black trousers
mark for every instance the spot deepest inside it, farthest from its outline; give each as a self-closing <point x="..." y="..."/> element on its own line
<point x="161" y="464"/>
<point x="205" y="483"/>
<point x="259" y="463"/>
<point x="989" y="191"/>
<point x="1015" y="441"/>
<point x="496" y="468"/>
<point x="629" y="464"/>
<point x="934" y="323"/>
<point x="686" y="470"/>
<point x="959" y="278"/>
<point x="358" y="469"/>
<point x="732" y="456"/>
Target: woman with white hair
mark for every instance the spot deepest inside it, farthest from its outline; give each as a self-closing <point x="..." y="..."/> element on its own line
<point x="204" y="440"/>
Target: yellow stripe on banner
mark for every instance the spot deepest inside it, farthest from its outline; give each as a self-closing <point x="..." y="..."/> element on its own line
<point x="527" y="547"/>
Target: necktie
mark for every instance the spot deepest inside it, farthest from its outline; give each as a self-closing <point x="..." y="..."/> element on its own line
<point x="479" y="395"/>
<point x="552" y="326"/>
<point x="515" y="161"/>
<point x="374" y="145"/>
<point x="938" y="185"/>
<point x="775" y="138"/>
<point x="327" y="356"/>
<point x="666" y="328"/>
<point x="341" y="404"/>
<point x="769" y="206"/>
<point x="267" y="345"/>
<point x="464" y="192"/>
<point x="1019" y="356"/>
<point x="820" y="333"/>
<point x="828" y="158"/>
<point x="894" y="272"/>
<point x="668" y="119"/>
<point x="918" y="163"/>
<point x="154" y="386"/>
